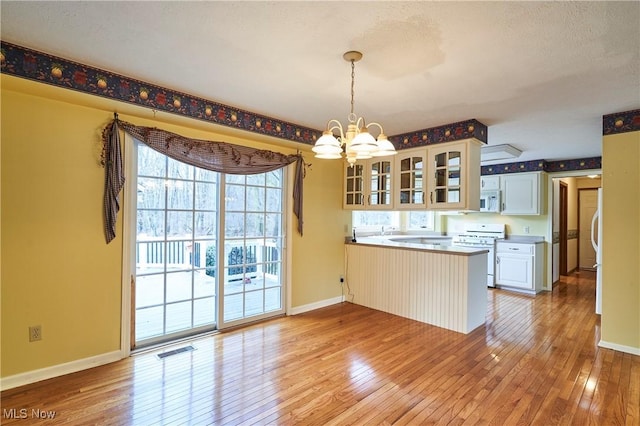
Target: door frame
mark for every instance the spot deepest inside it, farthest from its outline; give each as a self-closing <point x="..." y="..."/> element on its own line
<point x="563" y="217"/>
<point x="551" y="206"/>
<point x="129" y="198"/>
<point x="580" y="192"/>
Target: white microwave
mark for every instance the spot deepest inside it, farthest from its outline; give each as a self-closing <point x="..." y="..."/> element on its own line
<point x="490" y="201"/>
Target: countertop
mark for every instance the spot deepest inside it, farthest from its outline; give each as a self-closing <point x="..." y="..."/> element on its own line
<point x="523" y="239"/>
<point x="436" y="248"/>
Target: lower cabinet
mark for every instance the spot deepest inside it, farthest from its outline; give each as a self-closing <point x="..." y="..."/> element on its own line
<point x="519" y="266"/>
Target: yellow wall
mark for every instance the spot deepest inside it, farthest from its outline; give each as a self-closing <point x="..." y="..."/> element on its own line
<point x="621" y="240"/>
<point x="57" y="271"/>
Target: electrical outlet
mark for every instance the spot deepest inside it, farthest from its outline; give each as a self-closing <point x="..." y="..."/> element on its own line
<point x="35" y="333"/>
<point x="341" y="278"/>
<point x="526" y="229"/>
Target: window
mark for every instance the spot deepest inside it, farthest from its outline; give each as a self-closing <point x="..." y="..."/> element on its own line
<point x="373" y="221"/>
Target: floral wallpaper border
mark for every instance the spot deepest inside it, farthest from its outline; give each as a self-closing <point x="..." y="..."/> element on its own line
<point x="543" y="166"/>
<point x="621" y="122"/>
<point x="30" y="64"/>
<point x="33" y="65"/>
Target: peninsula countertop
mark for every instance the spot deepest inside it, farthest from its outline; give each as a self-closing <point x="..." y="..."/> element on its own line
<point x="390" y="241"/>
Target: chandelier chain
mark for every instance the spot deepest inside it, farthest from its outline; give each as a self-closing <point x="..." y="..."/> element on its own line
<point x="353" y="77"/>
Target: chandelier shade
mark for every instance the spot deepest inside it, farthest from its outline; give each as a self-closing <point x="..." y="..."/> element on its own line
<point x="357" y="143"/>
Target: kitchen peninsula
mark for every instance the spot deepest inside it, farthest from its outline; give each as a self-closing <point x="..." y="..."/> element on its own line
<point x="442" y="285"/>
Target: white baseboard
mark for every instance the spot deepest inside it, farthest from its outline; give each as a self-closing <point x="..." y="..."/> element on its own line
<point x="21" y="379"/>
<point x="316" y="305"/>
<point x="616" y="347"/>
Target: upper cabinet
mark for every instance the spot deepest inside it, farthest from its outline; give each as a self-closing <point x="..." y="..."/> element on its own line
<point x="490" y="183"/>
<point x="409" y="189"/>
<point x="445" y="176"/>
<point x="454" y="176"/>
<point x="368" y="184"/>
<point x="521" y="193"/>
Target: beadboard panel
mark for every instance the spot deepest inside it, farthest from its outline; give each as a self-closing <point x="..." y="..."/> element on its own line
<point x="444" y="290"/>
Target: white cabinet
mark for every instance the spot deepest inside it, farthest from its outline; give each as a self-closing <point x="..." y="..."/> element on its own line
<point x="409" y="179"/>
<point x="444" y="176"/>
<point x="490" y="183"/>
<point x="519" y="266"/>
<point x="521" y="193"/>
<point x="368" y="184"/>
<point x="454" y="175"/>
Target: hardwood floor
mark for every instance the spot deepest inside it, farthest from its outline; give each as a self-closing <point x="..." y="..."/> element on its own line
<point x="536" y="361"/>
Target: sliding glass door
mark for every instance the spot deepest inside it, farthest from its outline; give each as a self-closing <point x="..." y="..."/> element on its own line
<point x="201" y="234"/>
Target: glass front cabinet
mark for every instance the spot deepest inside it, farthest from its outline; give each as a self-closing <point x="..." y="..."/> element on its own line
<point x="368" y="184"/>
<point x="454" y="182"/>
<point x="443" y="176"/>
<point x="409" y="191"/>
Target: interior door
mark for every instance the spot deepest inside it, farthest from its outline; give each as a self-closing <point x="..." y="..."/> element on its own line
<point x="587" y="205"/>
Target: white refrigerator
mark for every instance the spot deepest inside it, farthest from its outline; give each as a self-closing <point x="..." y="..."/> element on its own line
<point x="596" y="241"/>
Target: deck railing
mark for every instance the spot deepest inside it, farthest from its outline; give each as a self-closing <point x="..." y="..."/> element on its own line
<point x="242" y="261"/>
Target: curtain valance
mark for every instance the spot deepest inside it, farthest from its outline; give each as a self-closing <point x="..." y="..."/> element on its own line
<point x="220" y="157"/>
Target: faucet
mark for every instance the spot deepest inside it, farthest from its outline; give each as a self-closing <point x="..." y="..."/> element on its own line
<point x="382" y="231"/>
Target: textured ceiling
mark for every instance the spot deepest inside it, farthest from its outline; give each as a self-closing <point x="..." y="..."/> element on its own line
<point x="539" y="74"/>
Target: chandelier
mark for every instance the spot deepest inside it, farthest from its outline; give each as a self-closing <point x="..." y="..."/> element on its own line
<point x="356" y="143"/>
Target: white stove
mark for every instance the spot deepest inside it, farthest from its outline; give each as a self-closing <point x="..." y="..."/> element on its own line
<point x="482" y="235"/>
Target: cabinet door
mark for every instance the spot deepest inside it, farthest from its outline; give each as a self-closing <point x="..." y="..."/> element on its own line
<point x="410" y="180"/>
<point x="446" y="186"/>
<point x="520" y="193"/>
<point x="514" y="270"/>
<point x="490" y="183"/>
<point x="379" y="176"/>
<point x="354" y="187"/>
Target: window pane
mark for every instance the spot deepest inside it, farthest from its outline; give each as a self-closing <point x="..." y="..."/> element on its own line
<point x="178" y="316"/>
<point x="255" y="199"/>
<point x="179" y="224"/>
<point x="150" y="162"/>
<point x="204" y="311"/>
<point x="234" y="225"/>
<point x="234" y="198"/>
<point x="179" y="286"/>
<point x="204" y="284"/>
<point x="151" y="192"/>
<point x="254" y="225"/>
<point x="274" y="178"/>
<point x="274" y="199"/>
<point x="177" y="169"/>
<point x="206" y="175"/>
<point x="273" y="225"/>
<point x="149" y="290"/>
<point x="150" y="224"/>
<point x="179" y="194"/>
<point x="239" y="179"/>
<point x="205" y="224"/>
<point x="256" y="179"/>
<point x="206" y="195"/>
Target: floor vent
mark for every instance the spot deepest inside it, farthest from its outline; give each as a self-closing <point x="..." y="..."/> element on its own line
<point x="176" y="351"/>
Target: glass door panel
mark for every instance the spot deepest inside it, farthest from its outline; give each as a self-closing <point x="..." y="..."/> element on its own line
<point x="175" y="285"/>
<point x="183" y="261"/>
<point x="253" y="248"/>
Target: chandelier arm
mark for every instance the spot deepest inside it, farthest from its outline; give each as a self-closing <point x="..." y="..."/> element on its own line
<point x="376" y="124"/>
<point x="337" y="126"/>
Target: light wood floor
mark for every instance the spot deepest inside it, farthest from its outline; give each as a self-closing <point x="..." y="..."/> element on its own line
<point x="536" y="361"/>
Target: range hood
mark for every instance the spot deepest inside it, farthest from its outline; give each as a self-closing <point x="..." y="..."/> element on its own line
<point x="498" y="152"/>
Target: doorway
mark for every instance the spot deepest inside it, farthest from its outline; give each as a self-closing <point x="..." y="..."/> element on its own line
<point x="563" y="226"/>
<point x="587" y="206"/>
<point x="208" y="249"/>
